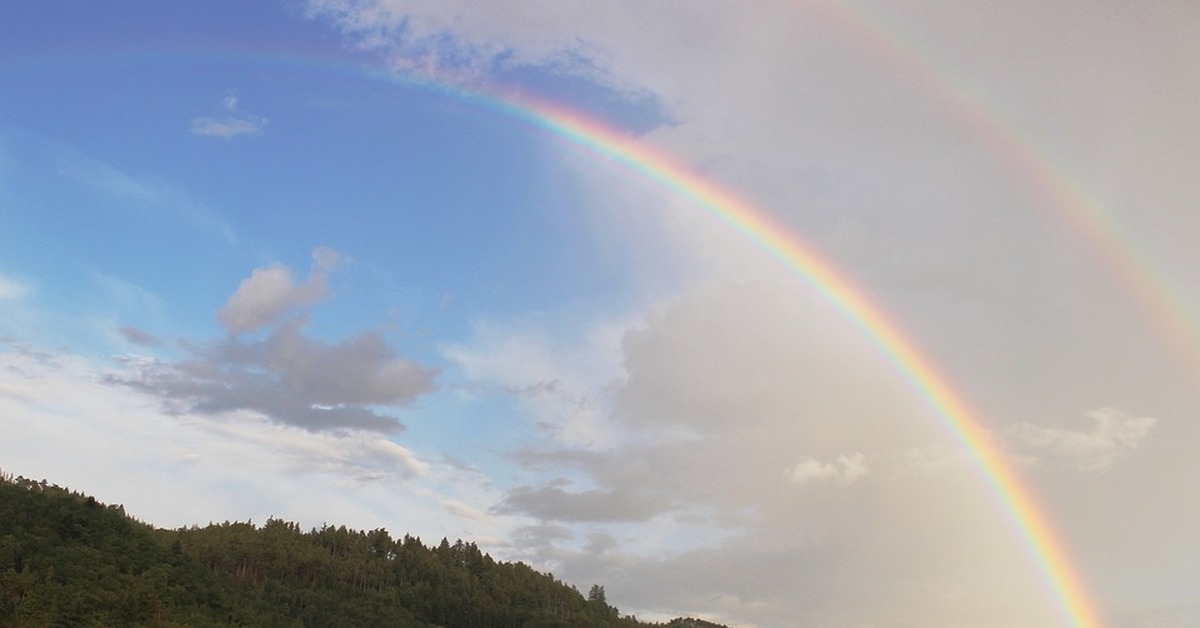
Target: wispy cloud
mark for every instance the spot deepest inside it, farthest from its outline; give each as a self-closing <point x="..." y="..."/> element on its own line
<point x="228" y="121"/>
<point x="1113" y="434"/>
<point x="517" y="43"/>
<point x="145" y="193"/>
<point x="10" y="288"/>
<point x="552" y="503"/>
<point x="843" y="471"/>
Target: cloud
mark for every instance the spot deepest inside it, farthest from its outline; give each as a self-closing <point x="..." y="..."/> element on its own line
<point x="697" y="498"/>
<point x="560" y="381"/>
<point x="1113" y="434"/>
<point x="844" y="471"/>
<point x="516" y="45"/>
<point x="417" y="41"/>
<point x="551" y="503"/>
<point x="292" y="379"/>
<point x="11" y="289"/>
<point x="138" y="337"/>
<point x="271" y="293"/>
<point x="146" y="193"/>
<point x="186" y="469"/>
<point x="229" y="121"/>
<point x="286" y="376"/>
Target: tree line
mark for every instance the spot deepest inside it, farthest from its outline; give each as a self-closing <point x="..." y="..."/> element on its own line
<point x="69" y="560"/>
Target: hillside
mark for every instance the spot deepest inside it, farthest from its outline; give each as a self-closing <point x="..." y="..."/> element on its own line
<point x="68" y="560"/>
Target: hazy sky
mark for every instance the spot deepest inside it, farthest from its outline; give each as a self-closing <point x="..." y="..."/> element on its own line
<point x="283" y="259"/>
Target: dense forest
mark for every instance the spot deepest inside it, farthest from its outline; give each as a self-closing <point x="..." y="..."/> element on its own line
<point x="68" y="560"/>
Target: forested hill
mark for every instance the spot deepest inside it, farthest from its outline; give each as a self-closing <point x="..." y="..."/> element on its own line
<point x="68" y="560"/>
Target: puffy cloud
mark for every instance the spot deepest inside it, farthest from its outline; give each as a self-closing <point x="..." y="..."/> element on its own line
<point x="844" y="471"/>
<point x="229" y="121"/>
<point x="700" y="505"/>
<point x="271" y="292"/>
<point x="292" y="379"/>
<point x="1113" y="434"/>
<point x="287" y="376"/>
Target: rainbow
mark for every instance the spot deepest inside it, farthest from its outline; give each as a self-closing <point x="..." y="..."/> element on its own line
<point x="934" y="387"/>
<point x="1161" y="303"/>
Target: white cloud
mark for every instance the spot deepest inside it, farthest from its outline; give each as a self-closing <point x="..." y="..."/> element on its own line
<point x="144" y="192"/>
<point x="229" y="121"/>
<point x="843" y="471"/>
<point x="1114" y="434"/>
<point x="455" y="41"/>
<point x="271" y="292"/>
<point x="560" y="380"/>
<point x="11" y="289"/>
<point x="66" y="422"/>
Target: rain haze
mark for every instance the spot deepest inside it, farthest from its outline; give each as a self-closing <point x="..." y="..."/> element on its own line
<point x="837" y="314"/>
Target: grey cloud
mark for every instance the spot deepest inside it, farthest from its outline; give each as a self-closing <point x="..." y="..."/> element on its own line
<point x="287" y="376"/>
<point x="553" y="503"/>
<point x="138" y="337"/>
<point x="533" y="390"/>
<point x="540" y="539"/>
<point x="601" y="542"/>
<point x="293" y="379"/>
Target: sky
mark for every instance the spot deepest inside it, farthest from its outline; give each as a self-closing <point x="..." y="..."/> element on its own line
<point x="325" y="260"/>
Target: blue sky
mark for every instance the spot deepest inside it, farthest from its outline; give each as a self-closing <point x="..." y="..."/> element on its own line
<point x="269" y="259"/>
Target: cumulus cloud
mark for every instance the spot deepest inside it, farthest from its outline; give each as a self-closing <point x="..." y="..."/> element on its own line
<point x="229" y="121"/>
<point x="1114" y="433"/>
<point x="287" y="376"/>
<point x="292" y="379"/>
<point x="709" y="500"/>
<point x="844" y="471"/>
<point x="271" y="292"/>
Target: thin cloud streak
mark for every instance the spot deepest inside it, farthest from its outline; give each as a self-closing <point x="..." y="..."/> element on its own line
<point x="229" y="121"/>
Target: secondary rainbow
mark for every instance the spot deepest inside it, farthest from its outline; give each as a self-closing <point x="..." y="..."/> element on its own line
<point x="886" y="42"/>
